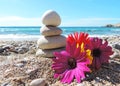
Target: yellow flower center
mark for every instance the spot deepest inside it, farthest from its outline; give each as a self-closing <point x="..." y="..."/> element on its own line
<point x="88" y="52"/>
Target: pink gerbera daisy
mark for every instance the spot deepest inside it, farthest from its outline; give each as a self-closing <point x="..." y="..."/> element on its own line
<point x="70" y="64"/>
<point x="100" y="52"/>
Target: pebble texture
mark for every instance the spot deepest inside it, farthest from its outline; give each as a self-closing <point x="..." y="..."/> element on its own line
<point x="50" y="17"/>
<point x="20" y="69"/>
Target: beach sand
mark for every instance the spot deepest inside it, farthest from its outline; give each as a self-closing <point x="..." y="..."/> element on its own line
<point x="19" y="66"/>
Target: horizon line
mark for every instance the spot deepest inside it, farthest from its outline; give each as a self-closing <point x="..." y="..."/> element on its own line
<point x="53" y="26"/>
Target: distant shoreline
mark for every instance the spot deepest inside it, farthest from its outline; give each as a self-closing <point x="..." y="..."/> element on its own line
<point x="113" y="25"/>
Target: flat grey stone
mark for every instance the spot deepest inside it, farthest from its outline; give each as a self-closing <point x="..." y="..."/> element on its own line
<point x="51" y="42"/>
<point x="50" y="31"/>
<point x="47" y="52"/>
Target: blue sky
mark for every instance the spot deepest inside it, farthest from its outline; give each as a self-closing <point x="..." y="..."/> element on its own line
<point x="72" y="12"/>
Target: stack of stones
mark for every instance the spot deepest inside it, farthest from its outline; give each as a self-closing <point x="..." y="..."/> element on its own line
<point x="51" y="39"/>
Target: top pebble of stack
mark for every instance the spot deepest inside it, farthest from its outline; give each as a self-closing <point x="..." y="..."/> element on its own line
<point x="51" y="18"/>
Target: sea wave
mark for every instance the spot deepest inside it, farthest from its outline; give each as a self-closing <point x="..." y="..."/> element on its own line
<point x="96" y="35"/>
<point x="5" y="30"/>
<point x="20" y="37"/>
<point x="17" y="37"/>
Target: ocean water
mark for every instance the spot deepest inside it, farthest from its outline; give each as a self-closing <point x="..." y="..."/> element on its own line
<point x="34" y="32"/>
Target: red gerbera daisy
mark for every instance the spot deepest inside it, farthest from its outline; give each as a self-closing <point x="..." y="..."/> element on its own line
<point x="81" y="40"/>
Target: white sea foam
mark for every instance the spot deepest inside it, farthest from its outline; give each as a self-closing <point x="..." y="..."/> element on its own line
<point x="19" y="37"/>
<point x="16" y="37"/>
<point x="99" y="36"/>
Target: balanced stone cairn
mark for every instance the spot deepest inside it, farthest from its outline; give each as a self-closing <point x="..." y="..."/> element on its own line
<point x="51" y="39"/>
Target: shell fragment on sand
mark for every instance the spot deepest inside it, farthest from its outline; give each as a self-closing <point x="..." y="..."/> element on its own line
<point x="51" y="42"/>
<point x="50" y="31"/>
<point x="52" y="18"/>
<point x="38" y="82"/>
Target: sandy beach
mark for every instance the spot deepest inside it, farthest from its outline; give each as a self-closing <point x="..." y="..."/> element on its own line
<point x="19" y="66"/>
<point x="32" y="32"/>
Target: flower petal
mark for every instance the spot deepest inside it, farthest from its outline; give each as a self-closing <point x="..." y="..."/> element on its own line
<point x="56" y="75"/>
<point x="98" y="63"/>
<point x="76" y="52"/>
<point x="68" y="77"/>
<point x="77" y="75"/>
